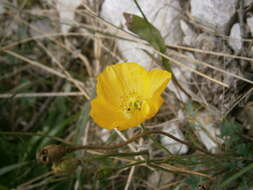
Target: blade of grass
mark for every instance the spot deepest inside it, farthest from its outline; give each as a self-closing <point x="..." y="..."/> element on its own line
<point x="237" y="175"/>
<point x="11" y="167"/>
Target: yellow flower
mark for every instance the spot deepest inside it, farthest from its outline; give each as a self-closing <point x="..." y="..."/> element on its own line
<point x="127" y="95"/>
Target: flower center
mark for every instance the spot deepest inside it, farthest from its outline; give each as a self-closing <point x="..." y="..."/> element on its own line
<point x="132" y="103"/>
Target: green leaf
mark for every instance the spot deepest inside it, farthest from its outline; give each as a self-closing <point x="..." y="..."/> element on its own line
<point x="11" y="167"/>
<point x="192" y="181"/>
<point x="148" y="32"/>
<point x="229" y="129"/>
<point x="3" y="187"/>
<point x="145" y="30"/>
<point x="80" y="129"/>
<point x="243" y="185"/>
<point x="244" y="149"/>
<point x="237" y="175"/>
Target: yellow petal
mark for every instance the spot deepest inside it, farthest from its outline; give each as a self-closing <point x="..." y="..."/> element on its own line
<point x="134" y="77"/>
<point x="155" y="104"/>
<point x="109" y="117"/>
<point x="106" y="115"/>
<point x="158" y="81"/>
<point x="109" y="87"/>
<point x="121" y="79"/>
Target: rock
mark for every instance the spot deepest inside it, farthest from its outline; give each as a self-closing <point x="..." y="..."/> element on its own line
<point x="66" y="10"/>
<point x="183" y="75"/>
<point x="235" y="39"/>
<point x="105" y="135"/>
<point x="206" y="131"/>
<point x="2" y="9"/>
<point x="40" y="27"/>
<point x="213" y="13"/>
<point x="173" y="146"/>
<point x="247" y="2"/>
<point x="158" y="178"/>
<point x="189" y="35"/>
<point x="250" y="24"/>
<point x="246" y="117"/>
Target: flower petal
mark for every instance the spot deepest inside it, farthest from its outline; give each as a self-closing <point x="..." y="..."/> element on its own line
<point x="133" y="76"/>
<point x="109" y="117"/>
<point x="106" y="115"/>
<point x="155" y="104"/>
<point x="158" y="81"/>
<point x="120" y="79"/>
<point x="109" y="86"/>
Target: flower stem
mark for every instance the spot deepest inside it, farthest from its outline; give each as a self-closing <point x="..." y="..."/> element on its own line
<point x="54" y="152"/>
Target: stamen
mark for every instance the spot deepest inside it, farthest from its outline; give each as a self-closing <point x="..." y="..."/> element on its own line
<point x="131" y="102"/>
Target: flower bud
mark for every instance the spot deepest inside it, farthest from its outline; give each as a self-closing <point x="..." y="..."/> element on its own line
<point x="66" y="166"/>
<point x="51" y="153"/>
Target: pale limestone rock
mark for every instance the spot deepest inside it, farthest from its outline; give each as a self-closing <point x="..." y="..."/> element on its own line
<point x="159" y="177"/>
<point x="105" y="134"/>
<point x="173" y="146"/>
<point x="250" y="24"/>
<point x="66" y="10"/>
<point x="189" y="36"/>
<point x="41" y="27"/>
<point x="2" y="9"/>
<point x="206" y="131"/>
<point x="235" y="39"/>
<point x="214" y="13"/>
<point x="247" y="2"/>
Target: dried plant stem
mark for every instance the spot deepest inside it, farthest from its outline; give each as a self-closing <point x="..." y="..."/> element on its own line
<point x="129" y="179"/>
<point x="72" y="148"/>
<point x="130" y="145"/>
<point x="95" y="147"/>
<point x="191" y="69"/>
<point x="177" y="169"/>
<point x="213" y="67"/>
<point x="50" y="70"/>
<point x="40" y="94"/>
<point x="209" y="52"/>
<point x="28" y="183"/>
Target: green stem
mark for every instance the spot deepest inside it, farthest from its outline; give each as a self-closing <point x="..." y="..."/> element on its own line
<point x="237" y="175"/>
<point x="132" y="164"/>
<point x="142" y="13"/>
<point x="127" y="154"/>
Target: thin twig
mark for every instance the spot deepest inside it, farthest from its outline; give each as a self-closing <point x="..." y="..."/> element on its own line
<point x="130" y="145"/>
<point x="48" y="69"/>
<point x="191" y="69"/>
<point x="209" y="52"/>
<point x="129" y="179"/>
<point x="237" y="102"/>
<point x="41" y="94"/>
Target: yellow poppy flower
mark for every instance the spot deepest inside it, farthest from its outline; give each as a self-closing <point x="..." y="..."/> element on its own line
<point x="127" y="95"/>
